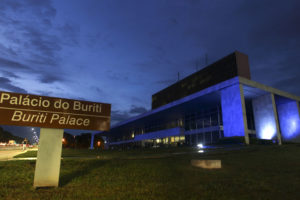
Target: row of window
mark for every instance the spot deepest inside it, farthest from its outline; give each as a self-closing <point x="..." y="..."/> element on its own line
<point x="196" y="120"/>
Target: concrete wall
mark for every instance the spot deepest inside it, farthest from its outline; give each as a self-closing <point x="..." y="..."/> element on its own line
<point x="289" y="118"/>
<point x="233" y="111"/>
<point x="264" y="117"/>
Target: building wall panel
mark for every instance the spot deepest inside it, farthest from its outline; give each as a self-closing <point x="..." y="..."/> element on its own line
<point x="289" y="119"/>
<point x="265" y="122"/>
<point x="232" y="111"/>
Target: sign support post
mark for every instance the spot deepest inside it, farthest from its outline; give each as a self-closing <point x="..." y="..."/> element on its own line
<point x="48" y="158"/>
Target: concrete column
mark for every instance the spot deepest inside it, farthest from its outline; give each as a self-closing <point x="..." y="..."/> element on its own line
<point x="276" y="120"/>
<point x="143" y="143"/>
<point x="219" y="123"/>
<point x="47" y="166"/>
<point x="265" y="118"/>
<point x="234" y="112"/>
<point x="92" y="141"/>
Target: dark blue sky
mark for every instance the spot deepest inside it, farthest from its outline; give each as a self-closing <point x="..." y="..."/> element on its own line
<point x="121" y="52"/>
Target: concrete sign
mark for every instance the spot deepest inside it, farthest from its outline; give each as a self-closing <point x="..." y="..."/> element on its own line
<point x="49" y="112"/>
<point x="53" y="115"/>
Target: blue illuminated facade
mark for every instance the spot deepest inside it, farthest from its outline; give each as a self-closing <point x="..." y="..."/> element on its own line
<point x="265" y="122"/>
<point x="236" y="106"/>
<point x="232" y="111"/>
<point x="289" y="119"/>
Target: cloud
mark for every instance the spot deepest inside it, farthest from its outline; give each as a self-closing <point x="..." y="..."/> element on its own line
<point x="44" y="76"/>
<point x="10" y="74"/>
<point x="137" y="110"/>
<point x="47" y="45"/>
<point x="43" y="9"/>
<point x="70" y="33"/>
<point x="287" y="73"/>
<point x="117" y="75"/>
<point x="6" y="84"/>
<point x="97" y="90"/>
<point x="8" y="4"/>
<point x="32" y="40"/>
<point x="6" y="63"/>
<point x="44" y="93"/>
<point x="43" y="60"/>
<point x="136" y="99"/>
<point x="166" y="82"/>
<point x="119" y="116"/>
<point x="50" y="78"/>
<point x="7" y="51"/>
<point x="289" y="84"/>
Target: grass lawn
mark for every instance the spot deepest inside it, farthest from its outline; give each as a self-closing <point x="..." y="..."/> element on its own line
<point x="109" y="154"/>
<point x="255" y="172"/>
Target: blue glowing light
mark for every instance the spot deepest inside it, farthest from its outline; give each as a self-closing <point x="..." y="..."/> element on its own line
<point x="268" y="131"/>
<point x="289" y="119"/>
<point x="232" y="113"/>
<point x="290" y="127"/>
<point x="264" y="116"/>
<point x="293" y="125"/>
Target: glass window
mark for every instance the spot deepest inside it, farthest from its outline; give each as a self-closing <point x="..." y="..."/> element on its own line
<point x="182" y="138"/>
<point x="172" y="139"/>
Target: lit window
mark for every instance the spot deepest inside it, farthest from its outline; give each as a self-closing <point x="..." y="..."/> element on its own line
<point x="172" y="139"/>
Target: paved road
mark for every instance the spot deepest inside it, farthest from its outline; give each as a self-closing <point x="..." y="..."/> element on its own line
<point x="9" y="154"/>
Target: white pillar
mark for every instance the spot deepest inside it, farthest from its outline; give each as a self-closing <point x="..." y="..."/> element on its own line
<point x="47" y="166"/>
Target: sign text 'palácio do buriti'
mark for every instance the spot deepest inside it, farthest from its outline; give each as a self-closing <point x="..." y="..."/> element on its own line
<point x="50" y="112"/>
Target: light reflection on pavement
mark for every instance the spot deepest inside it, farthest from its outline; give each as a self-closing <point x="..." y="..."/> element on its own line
<point x="9" y="154"/>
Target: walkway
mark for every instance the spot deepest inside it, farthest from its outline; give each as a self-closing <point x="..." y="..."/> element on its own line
<point x="9" y="154"/>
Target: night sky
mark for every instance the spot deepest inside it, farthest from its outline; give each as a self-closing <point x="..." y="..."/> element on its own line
<point x="121" y="52"/>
